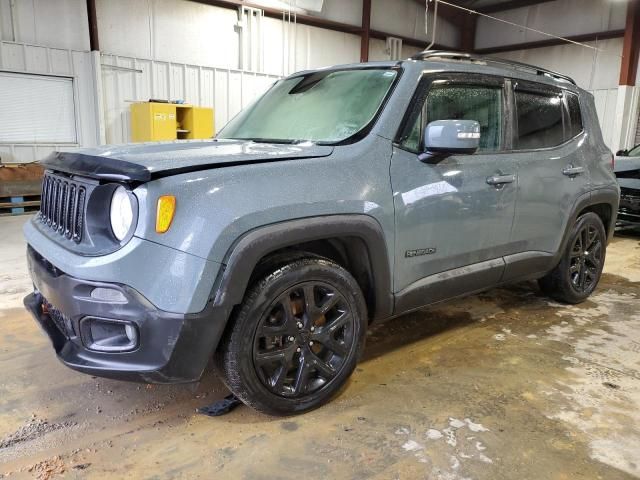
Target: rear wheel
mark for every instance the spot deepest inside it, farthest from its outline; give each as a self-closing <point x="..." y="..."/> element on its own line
<point x="579" y="270"/>
<point x="296" y="338"/>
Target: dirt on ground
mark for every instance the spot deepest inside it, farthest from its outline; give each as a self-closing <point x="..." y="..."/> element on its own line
<point x="503" y="385"/>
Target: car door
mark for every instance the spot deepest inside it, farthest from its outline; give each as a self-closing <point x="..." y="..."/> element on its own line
<point x="454" y="217"/>
<point x="549" y="148"/>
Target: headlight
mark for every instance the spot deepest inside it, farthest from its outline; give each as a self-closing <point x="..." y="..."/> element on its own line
<point x="121" y="213"/>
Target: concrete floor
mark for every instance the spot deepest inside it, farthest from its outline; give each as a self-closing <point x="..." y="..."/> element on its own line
<point x="503" y="385"/>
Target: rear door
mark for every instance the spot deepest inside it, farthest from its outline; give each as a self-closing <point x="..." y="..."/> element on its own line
<point x="449" y="215"/>
<point x="552" y="169"/>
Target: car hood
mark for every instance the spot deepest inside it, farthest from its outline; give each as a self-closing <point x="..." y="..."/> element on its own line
<point x="626" y="164"/>
<point x="143" y="162"/>
<point x="627" y="170"/>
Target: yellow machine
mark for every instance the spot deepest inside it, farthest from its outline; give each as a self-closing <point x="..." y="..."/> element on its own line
<point x="153" y="121"/>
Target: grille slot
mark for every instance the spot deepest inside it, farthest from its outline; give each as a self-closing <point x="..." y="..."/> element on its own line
<point x="60" y="320"/>
<point x="629" y="193"/>
<point x="62" y="206"/>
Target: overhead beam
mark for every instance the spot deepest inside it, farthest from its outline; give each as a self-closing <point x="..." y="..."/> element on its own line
<point x="320" y="22"/>
<point x="366" y="30"/>
<point x="413" y="42"/>
<point x="588" y="37"/>
<point x="92" y="18"/>
<point x="631" y="45"/>
<point x="276" y="13"/>
<point x="501" y="7"/>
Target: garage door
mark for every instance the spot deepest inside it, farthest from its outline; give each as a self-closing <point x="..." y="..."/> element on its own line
<point x="36" y="109"/>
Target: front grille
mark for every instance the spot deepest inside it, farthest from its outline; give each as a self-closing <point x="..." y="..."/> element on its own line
<point x="629" y="193"/>
<point x="62" y="206"/>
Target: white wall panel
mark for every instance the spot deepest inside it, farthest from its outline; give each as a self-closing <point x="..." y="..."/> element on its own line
<point x="54" y="23"/>
<point x="226" y="90"/>
<point x="561" y="17"/>
<point x="169" y="30"/>
<point x="406" y="18"/>
<point x="185" y="32"/>
<point x="32" y="59"/>
<point x="591" y="70"/>
<point x="606" y="100"/>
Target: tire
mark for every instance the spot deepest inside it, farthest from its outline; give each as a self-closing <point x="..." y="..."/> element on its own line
<point x="295" y="339"/>
<point x="578" y="273"/>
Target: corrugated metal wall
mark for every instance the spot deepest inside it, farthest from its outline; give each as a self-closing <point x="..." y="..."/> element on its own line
<point x="606" y="101"/>
<point x="226" y="90"/>
<point x="33" y="59"/>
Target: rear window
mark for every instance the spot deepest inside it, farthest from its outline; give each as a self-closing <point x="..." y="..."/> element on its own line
<point x="574" y="114"/>
<point x="539" y="120"/>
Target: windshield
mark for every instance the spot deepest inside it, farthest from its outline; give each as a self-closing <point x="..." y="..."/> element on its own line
<point x="321" y="107"/>
<point x="635" y="151"/>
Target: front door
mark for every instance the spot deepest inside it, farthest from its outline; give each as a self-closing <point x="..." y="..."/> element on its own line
<point x="453" y="218"/>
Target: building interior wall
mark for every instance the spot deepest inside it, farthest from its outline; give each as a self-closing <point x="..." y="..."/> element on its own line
<point x="177" y="49"/>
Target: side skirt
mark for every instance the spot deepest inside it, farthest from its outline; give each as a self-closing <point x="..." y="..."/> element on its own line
<point x="472" y="279"/>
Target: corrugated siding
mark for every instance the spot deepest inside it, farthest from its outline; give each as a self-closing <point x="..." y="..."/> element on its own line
<point x="226" y="90"/>
<point x="637" y="142"/>
<point x="606" y="101"/>
<point x="33" y="59"/>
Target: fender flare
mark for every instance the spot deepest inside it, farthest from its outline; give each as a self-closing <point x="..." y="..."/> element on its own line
<point x="606" y="195"/>
<point x="249" y="249"/>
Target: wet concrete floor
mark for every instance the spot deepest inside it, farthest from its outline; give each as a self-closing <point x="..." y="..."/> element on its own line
<point x="502" y="385"/>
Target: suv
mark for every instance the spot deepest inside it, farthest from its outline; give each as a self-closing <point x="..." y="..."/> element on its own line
<point x="342" y="196"/>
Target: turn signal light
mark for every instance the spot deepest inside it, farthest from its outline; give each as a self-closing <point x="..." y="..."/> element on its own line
<point x="164" y="213"/>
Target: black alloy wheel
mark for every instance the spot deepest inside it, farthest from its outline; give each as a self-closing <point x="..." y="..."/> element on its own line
<point x="586" y="259"/>
<point x="303" y="340"/>
<point x="296" y="338"/>
<point x="579" y="269"/>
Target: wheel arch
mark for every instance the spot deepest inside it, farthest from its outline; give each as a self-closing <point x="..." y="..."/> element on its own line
<point x="603" y="202"/>
<point x="356" y="242"/>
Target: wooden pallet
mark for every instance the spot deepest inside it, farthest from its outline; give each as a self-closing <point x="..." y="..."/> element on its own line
<point x="19" y="204"/>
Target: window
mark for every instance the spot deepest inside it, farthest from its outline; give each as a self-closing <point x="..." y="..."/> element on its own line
<point x="326" y="106"/>
<point x="539" y="120"/>
<point x="574" y="114"/>
<point x="461" y="102"/>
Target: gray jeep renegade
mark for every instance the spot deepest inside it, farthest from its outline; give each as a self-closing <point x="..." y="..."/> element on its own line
<point x="340" y="197"/>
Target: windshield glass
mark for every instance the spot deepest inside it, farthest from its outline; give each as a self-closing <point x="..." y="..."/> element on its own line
<point x="635" y="151"/>
<point x="322" y="107"/>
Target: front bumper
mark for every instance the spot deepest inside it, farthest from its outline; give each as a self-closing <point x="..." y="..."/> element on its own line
<point x="629" y="209"/>
<point x="172" y="347"/>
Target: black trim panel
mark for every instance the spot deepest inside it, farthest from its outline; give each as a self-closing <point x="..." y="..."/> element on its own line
<point x="93" y="166"/>
<point x="449" y="284"/>
<point x="527" y="265"/>
<point x="247" y="252"/>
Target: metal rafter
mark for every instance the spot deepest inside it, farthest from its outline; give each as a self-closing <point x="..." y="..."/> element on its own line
<point x="366" y="30"/>
<point x="631" y="45"/>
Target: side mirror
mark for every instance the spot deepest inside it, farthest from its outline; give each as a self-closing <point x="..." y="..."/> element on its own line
<point x="621" y="153"/>
<point x="449" y="137"/>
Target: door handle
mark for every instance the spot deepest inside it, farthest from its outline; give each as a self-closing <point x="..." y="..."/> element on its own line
<point x="571" y="171"/>
<point x="497" y="180"/>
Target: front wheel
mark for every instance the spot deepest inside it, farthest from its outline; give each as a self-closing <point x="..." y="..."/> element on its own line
<point x="580" y="268"/>
<point x="296" y="338"/>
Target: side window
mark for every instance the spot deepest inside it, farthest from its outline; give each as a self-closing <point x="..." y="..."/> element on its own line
<point x="539" y="120"/>
<point x="461" y="102"/>
<point x="574" y="114"/>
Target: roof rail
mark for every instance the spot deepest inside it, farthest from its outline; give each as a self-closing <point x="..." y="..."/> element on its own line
<point x="450" y="55"/>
